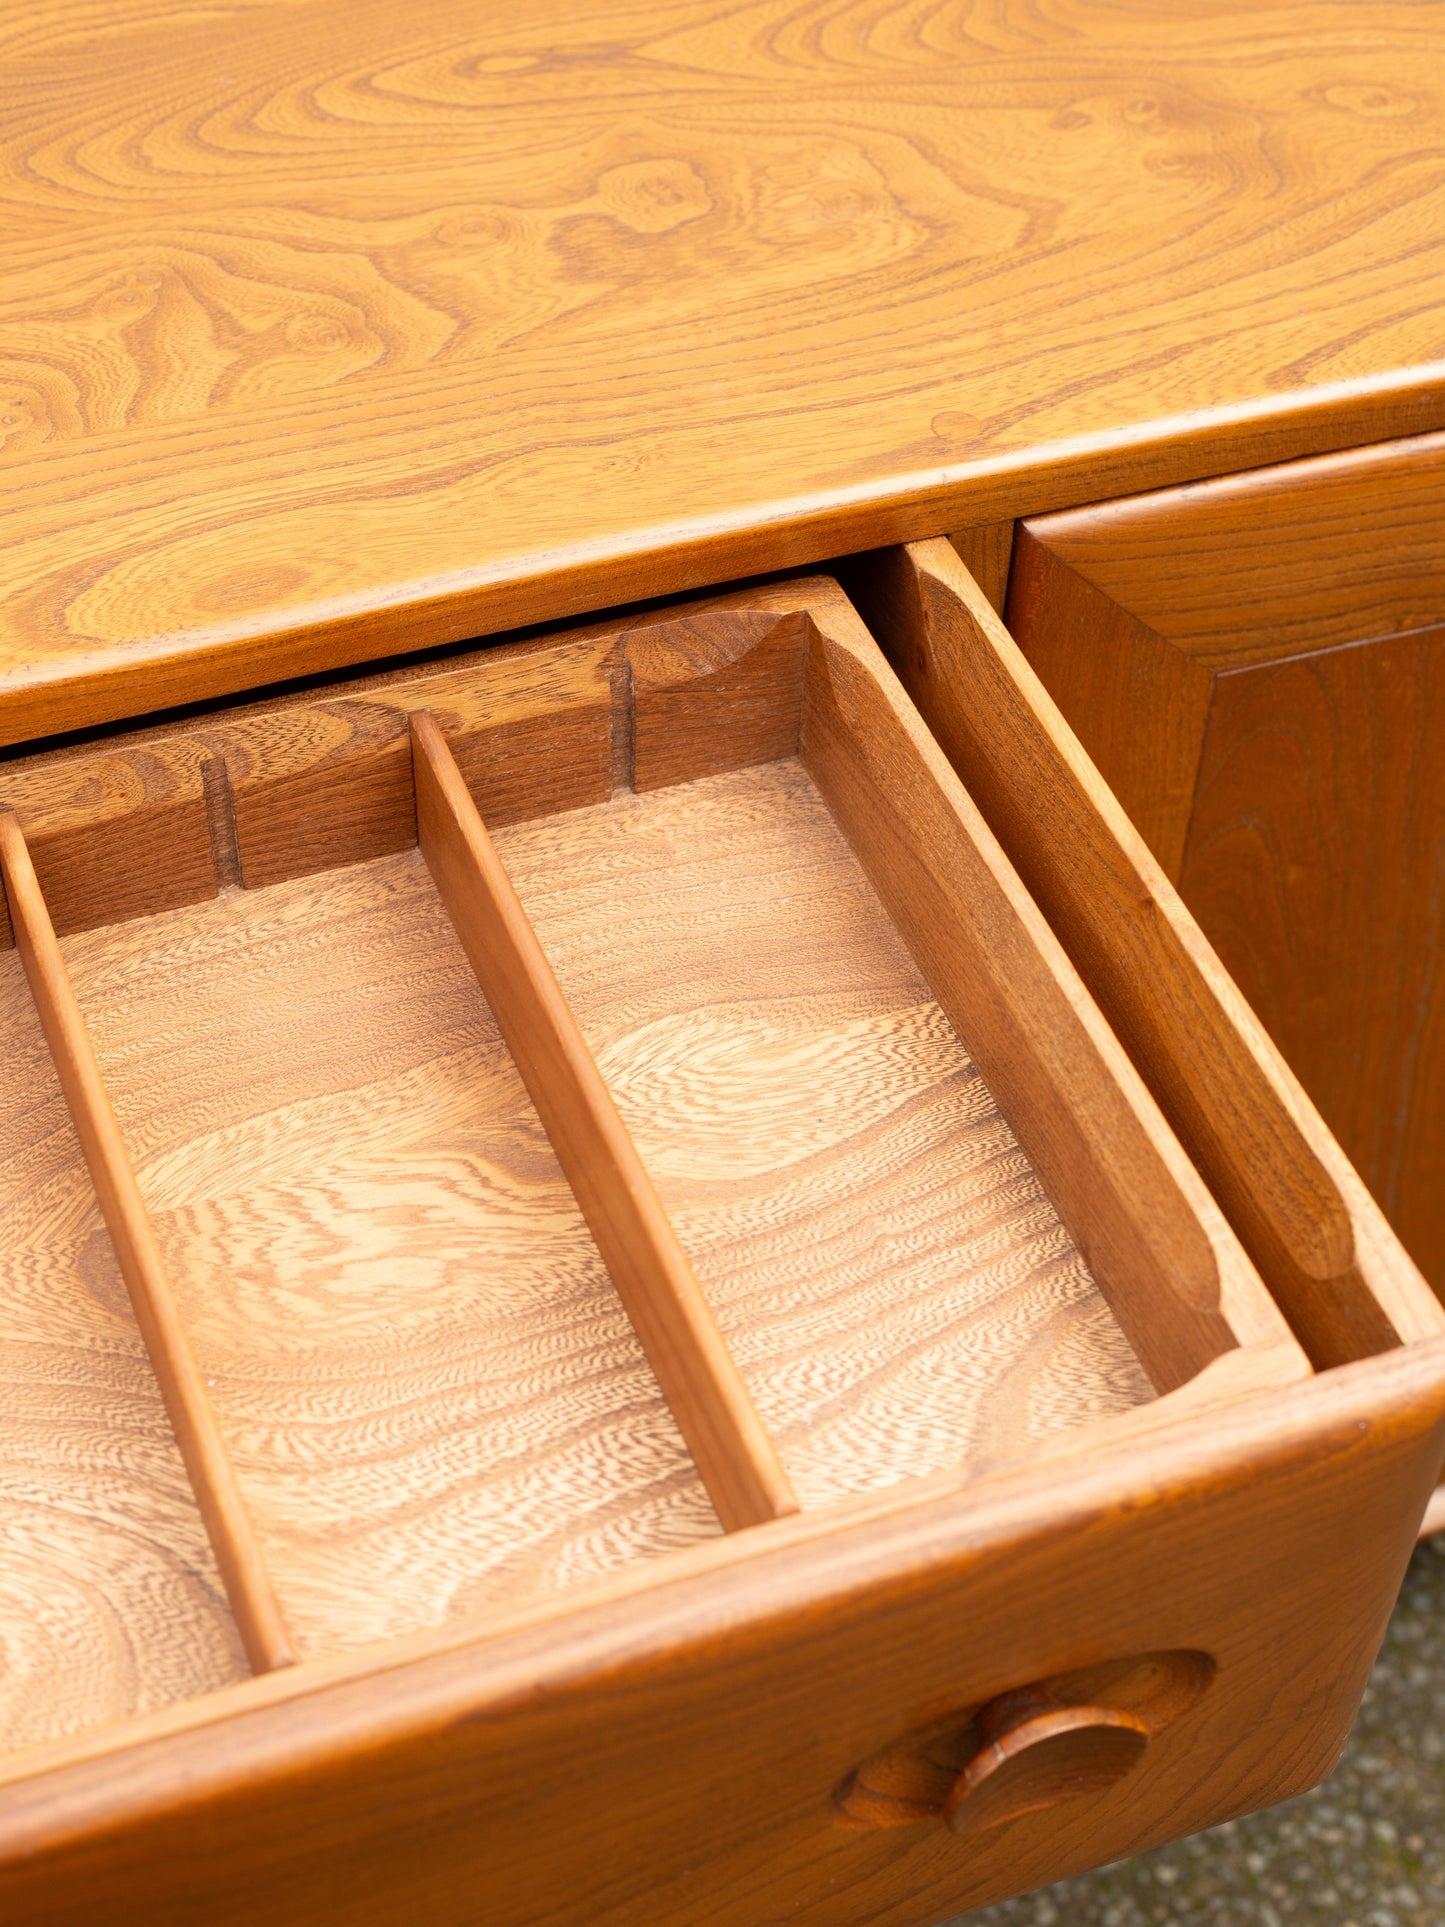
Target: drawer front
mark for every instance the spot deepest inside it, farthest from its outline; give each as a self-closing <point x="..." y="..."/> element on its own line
<point x="693" y="1753"/>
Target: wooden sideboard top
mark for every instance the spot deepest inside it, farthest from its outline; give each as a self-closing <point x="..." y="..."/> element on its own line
<point x="331" y="331"/>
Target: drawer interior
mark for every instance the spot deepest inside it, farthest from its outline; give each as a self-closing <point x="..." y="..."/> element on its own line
<point x="424" y="1379"/>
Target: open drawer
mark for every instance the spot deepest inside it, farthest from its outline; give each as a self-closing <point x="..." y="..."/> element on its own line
<point x="682" y="1365"/>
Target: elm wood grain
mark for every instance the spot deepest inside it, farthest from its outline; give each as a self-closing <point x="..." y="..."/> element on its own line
<point x="1320" y="1241"/>
<point x="110" y="1600"/>
<point x="1295" y="796"/>
<point x="705" y="1721"/>
<point x="1173" y="1271"/>
<point x="331" y="782"/>
<point x="723" y="676"/>
<point x="1285" y="560"/>
<point x="1281" y="561"/>
<point x="212" y="1476"/>
<point x="432" y="1396"/>
<point x="1117" y="668"/>
<point x="292" y="786"/>
<point x="884" y="1264"/>
<point x="120" y="835"/>
<point x="1315" y="860"/>
<point x="347" y="1209"/>
<point x="430" y="1391"/>
<point x="704" y="1391"/>
<point x="333" y="331"/>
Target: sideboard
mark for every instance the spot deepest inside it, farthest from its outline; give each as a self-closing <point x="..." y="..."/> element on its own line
<point x="721" y="943"/>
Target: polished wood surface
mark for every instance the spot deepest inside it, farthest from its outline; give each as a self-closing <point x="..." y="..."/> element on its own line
<point x="704" y="1724"/>
<point x="946" y="1234"/>
<point x="1316" y="1234"/>
<point x="1258" y="666"/>
<point x="329" y="331"/>
<point x="692" y="1364"/>
<point x="193" y="1420"/>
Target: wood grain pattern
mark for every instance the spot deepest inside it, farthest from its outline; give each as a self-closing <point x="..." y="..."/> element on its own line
<point x="330" y="331"/>
<point x="705" y="1722"/>
<point x="1098" y="661"/>
<point x="248" y="1585"/>
<point x="1171" y="1267"/>
<point x="110" y="1600"/>
<point x="291" y="786"/>
<point x="893" y="1281"/>
<point x="1282" y="561"/>
<point x="440" y="1412"/>
<point x="429" y="1389"/>
<point x="1316" y="860"/>
<point x="1295" y="796"/>
<point x="115" y="835"/>
<point x="1318" y="1238"/>
<point x="987" y="554"/>
<point x="432" y="1397"/>
<point x="733" y="1454"/>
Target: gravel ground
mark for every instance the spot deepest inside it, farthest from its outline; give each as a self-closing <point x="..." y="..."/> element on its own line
<point x="1366" y="1850"/>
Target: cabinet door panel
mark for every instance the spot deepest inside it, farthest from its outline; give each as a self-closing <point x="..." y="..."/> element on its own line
<point x="1316" y="860"/>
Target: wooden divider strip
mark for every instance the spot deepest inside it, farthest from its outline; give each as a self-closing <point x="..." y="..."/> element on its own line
<point x="248" y="1586"/>
<point x="649" y="1268"/>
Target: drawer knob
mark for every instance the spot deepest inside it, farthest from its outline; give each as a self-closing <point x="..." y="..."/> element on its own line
<point x="1038" y="1752"/>
<point x="1027" y="1749"/>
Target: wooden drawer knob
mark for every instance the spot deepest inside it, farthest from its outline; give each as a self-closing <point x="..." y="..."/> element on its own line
<point x="1030" y="1748"/>
<point x="1038" y="1752"/>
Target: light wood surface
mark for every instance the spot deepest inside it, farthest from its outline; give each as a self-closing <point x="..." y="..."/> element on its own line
<point x="431" y="1393"/>
<point x="711" y="687"/>
<point x="188" y="1406"/>
<point x="1318" y="1237"/>
<point x="329" y="331"/>
<point x="422" y="1373"/>
<point x="732" y="1452"/>
<point x="99" y="1531"/>
<point x="705" y="1723"/>
<point x="947" y="1234"/>
<point x="884" y="1263"/>
<point x="1258" y="666"/>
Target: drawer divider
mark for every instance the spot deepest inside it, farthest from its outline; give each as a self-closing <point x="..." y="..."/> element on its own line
<point x="688" y="1354"/>
<point x="208" y="1465"/>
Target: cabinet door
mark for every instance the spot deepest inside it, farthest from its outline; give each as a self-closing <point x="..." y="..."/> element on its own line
<point x="1257" y="665"/>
